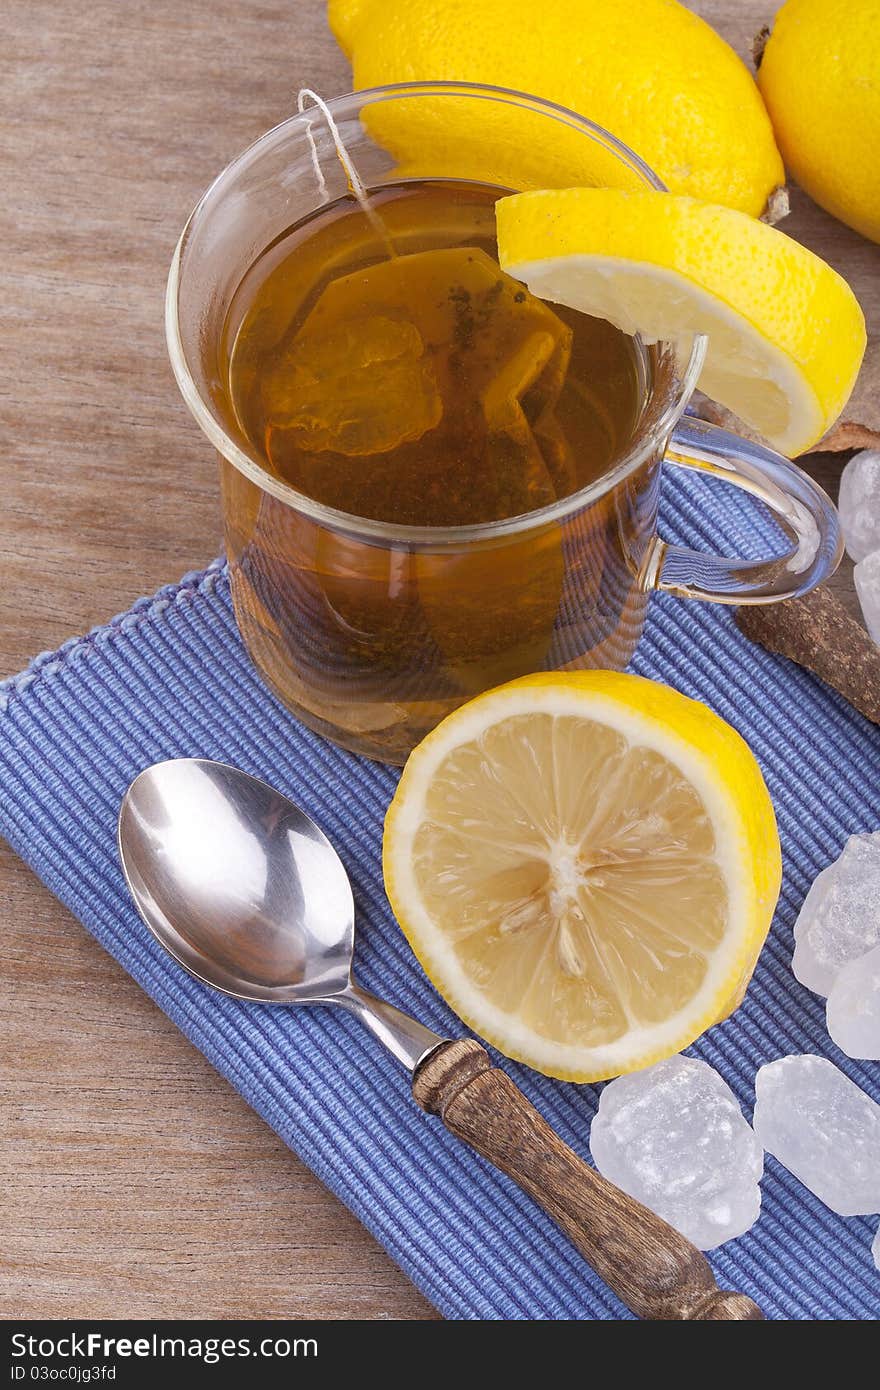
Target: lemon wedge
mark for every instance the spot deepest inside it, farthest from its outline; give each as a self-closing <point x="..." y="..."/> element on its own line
<point x="586" y="865"/>
<point x="786" y="333"/>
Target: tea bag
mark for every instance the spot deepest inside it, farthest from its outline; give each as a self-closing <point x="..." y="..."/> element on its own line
<point x="363" y="387"/>
<point x="438" y="346"/>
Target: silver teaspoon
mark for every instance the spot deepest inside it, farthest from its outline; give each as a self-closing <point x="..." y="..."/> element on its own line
<point x="248" y="894"/>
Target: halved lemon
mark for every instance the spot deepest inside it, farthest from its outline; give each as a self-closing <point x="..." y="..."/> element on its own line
<point x="586" y="865"/>
<point x="786" y="333"/>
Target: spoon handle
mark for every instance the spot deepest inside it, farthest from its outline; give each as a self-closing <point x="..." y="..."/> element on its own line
<point x="649" y="1265"/>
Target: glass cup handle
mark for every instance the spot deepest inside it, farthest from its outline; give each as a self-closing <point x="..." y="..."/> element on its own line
<point x="804" y="510"/>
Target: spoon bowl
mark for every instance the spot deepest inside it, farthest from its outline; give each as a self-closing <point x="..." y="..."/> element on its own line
<point x="237" y="883"/>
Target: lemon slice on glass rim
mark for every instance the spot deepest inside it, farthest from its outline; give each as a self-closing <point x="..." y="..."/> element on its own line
<point x="586" y="866"/>
<point x="786" y="334"/>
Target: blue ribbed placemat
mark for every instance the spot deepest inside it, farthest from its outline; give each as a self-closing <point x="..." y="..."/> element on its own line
<point x="170" y="678"/>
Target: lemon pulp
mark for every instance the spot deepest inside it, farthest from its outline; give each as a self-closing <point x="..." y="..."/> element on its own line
<point x="587" y="884"/>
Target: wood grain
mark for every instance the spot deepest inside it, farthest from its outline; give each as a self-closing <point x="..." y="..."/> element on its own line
<point x="654" y="1269"/>
<point x="133" y="1181"/>
<point x="816" y="631"/>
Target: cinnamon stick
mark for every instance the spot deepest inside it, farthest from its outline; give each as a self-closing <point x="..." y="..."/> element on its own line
<point x="817" y="632"/>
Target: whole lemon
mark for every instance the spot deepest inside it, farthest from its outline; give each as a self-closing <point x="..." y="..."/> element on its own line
<point x="650" y="71"/>
<point x="820" y="78"/>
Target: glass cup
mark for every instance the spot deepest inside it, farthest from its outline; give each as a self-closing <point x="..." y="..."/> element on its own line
<point x="372" y="632"/>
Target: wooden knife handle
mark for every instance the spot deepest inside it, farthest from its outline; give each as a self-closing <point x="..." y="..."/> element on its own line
<point x="649" y="1265"/>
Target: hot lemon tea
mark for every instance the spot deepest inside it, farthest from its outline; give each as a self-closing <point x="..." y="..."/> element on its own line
<point x="386" y="403"/>
<point x="381" y="364"/>
<point x="385" y="366"/>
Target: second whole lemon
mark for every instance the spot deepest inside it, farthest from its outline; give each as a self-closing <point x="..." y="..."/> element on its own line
<point x="820" y="78"/>
<point x="650" y="71"/>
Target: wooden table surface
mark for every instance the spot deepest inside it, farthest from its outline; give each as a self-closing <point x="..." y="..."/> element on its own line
<point x="134" y="1181"/>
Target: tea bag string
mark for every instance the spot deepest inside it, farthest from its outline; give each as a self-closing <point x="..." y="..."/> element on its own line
<point x="355" y="181"/>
